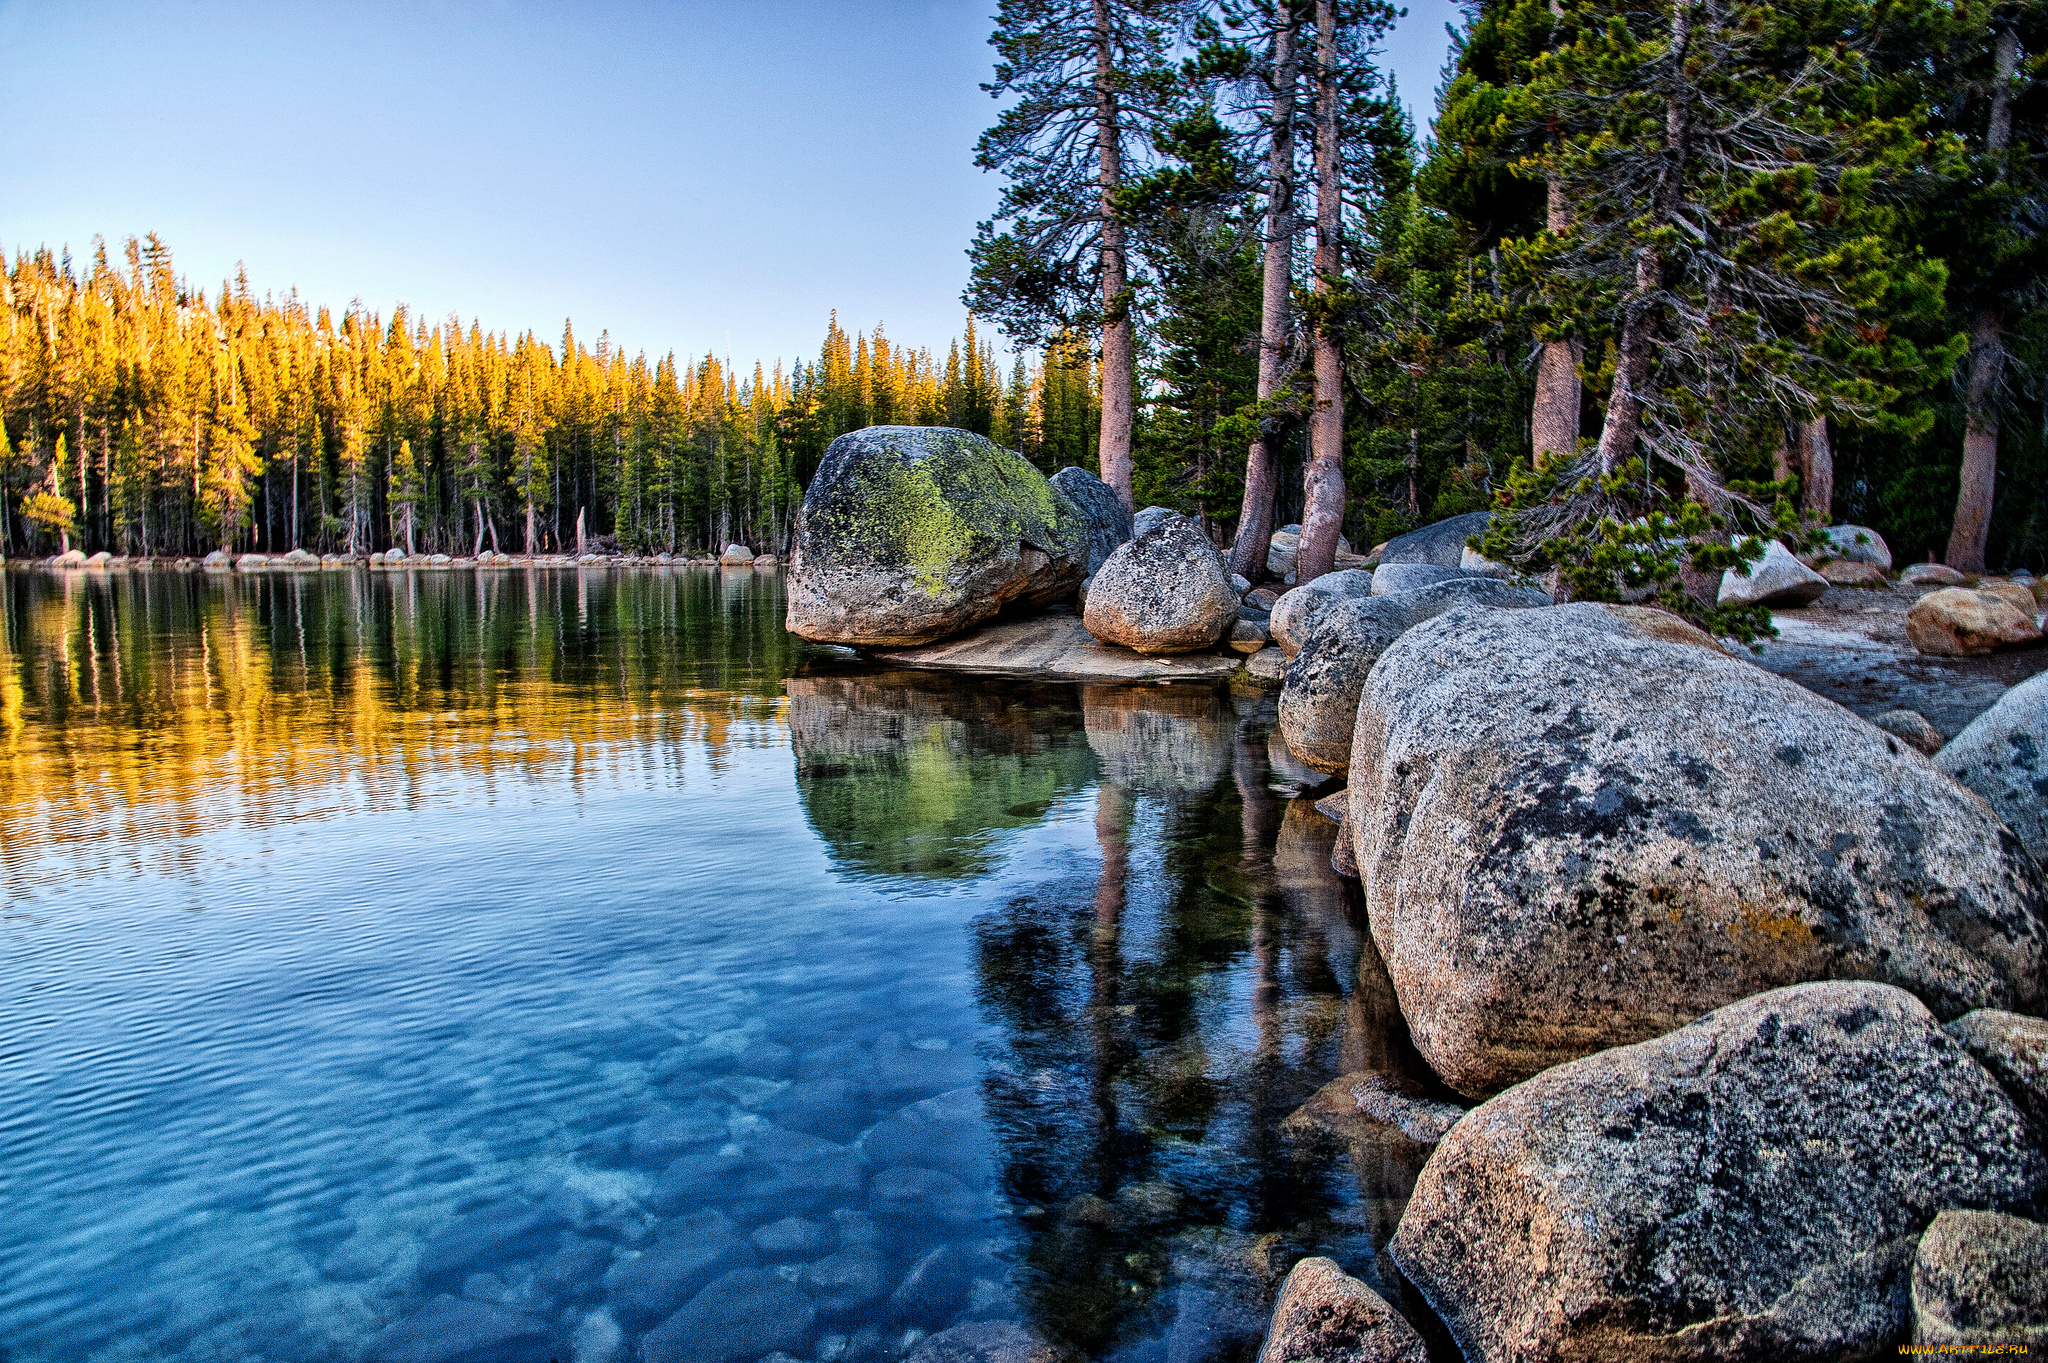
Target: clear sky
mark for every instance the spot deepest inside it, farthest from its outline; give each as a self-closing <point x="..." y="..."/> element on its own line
<point x="688" y="175"/>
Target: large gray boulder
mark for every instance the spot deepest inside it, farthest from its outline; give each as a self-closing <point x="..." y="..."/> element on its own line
<point x="1584" y="826"/>
<point x="1338" y="646"/>
<point x="1750" y="1187"/>
<point x="1778" y="579"/>
<point x="2003" y="756"/>
<point x="1294" y="613"/>
<point x="1325" y="1315"/>
<point x="910" y="533"/>
<point x="1167" y="591"/>
<point x="1108" y="519"/>
<point x="1981" y="1278"/>
<point x="1860" y="544"/>
<point x="1442" y="544"/>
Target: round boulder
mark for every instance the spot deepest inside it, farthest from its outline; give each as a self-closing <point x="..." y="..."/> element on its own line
<point x="1390" y="579"/>
<point x="910" y="533"/>
<point x="1931" y="575"/>
<point x="1750" y="1187"/>
<point x="1319" y="693"/>
<point x="1847" y="572"/>
<point x="1442" y="544"/>
<point x="1584" y="826"/>
<point x="1778" y="579"/>
<point x="1107" y="518"/>
<point x="1860" y="544"/>
<point x="1295" y="611"/>
<point x="2003" y="756"/>
<point x="1325" y="1315"/>
<point x="1956" y="622"/>
<point x="1167" y="591"/>
<point x="1981" y="1279"/>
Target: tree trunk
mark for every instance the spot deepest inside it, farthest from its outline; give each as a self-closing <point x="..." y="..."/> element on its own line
<point x="1626" y="398"/>
<point x="1816" y="469"/>
<point x="1554" y="424"/>
<point x="581" y="543"/>
<point x="1255" y="521"/>
<point x="1972" y="525"/>
<point x="1322" y="517"/>
<point x="1119" y="378"/>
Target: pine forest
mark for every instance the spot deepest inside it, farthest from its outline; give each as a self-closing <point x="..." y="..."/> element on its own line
<point x="1651" y="253"/>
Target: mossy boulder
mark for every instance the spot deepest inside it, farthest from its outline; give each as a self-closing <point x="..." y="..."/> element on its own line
<point x="911" y="533"/>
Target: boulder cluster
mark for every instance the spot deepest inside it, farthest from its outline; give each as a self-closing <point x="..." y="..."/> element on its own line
<point x="1734" y="997"/>
<point x="1738" y="994"/>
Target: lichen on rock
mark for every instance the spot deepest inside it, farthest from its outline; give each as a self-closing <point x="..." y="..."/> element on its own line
<point x="911" y="533"/>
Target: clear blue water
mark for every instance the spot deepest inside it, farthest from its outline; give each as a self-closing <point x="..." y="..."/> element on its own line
<point x="518" y="965"/>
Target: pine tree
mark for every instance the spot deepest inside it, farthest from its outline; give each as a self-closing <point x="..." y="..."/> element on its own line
<point x="1090" y="81"/>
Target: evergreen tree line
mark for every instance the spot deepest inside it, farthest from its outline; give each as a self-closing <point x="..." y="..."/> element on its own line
<point x="140" y="417"/>
<point x="1727" y="254"/>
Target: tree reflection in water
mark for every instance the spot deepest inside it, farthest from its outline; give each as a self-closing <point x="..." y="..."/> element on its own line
<point x="1158" y="1026"/>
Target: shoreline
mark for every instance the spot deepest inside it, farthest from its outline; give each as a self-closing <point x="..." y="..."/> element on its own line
<point x="378" y="563"/>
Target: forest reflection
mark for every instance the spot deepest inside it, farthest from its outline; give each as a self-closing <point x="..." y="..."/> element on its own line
<point x="143" y="709"/>
<point x="1156" y="1021"/>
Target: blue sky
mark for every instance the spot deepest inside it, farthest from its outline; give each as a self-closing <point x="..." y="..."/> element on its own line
<point x="689" y="175"/>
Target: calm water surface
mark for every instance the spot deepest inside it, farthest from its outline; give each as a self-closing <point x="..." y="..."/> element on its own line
<point x="571" y="964"/>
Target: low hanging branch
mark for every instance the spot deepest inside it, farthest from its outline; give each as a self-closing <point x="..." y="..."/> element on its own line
<point x="1728" y="232"/>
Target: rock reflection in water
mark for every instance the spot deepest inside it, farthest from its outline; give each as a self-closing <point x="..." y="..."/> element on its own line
<point x="908" y="773"/>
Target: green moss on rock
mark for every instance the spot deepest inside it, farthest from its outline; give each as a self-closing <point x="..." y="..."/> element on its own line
<point x="929" y="500"/>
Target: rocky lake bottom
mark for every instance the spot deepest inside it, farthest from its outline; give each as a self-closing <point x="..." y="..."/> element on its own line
<point x="574" y="965"/>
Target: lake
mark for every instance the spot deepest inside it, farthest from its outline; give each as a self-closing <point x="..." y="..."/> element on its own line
<point x="525" y="964"/>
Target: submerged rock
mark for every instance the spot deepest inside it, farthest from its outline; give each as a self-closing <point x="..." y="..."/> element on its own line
<point x="909" y="1195"/>
<point x="690" y="1253"/>
<point x="488" y="1238"/>
<point x="846" y="1280"/>
<point x="935" y="1288"/>
<point x="1325" y="1315"/>
<point x="911" y="533"/>
<point x="449" y="1330"/>
<point x="2003" y="756"/>
<point x="1576" y="833"/>
<point x="947" y="1132"/>
<point x="990" y="1341"/>
<point x="1981" y="1278"/>
<point x="1750" y="1187"/>
<point x="744" y="1314"/>
<point x="1167" y="591"/>
<point x="1107" y="519"/>
<point x="1956" y="622"/>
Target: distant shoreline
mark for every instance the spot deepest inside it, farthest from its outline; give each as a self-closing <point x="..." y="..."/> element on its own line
<point x="415" y="563"/>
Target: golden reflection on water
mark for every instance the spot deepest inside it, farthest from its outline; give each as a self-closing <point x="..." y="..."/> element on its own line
<point x="140" y="711"/>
